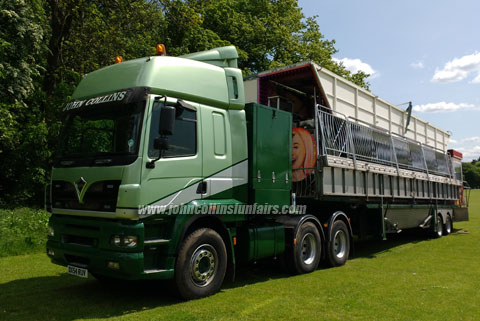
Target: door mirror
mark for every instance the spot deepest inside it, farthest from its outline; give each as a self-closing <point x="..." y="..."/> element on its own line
<point x="167" y="120"/>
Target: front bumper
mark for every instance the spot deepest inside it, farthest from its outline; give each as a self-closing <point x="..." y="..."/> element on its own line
<point x="86" y="243"/>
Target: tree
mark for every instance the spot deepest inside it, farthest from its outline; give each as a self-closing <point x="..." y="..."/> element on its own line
<point x="267" y="34"/>
<point x="21" y="49"/>
<point x="471" y="173"/>
<point x="22" y="52"/>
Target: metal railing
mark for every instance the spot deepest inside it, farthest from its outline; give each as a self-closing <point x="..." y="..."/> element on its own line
<point x="338" y="136"/>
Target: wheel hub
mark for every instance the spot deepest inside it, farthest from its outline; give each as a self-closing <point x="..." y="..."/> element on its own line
<point x="204" y="265"/>
<point x="448" y="226"/>
<point x="340" y="244"/>
<point x="439" y="227"/>
<point x="309" y="248"/>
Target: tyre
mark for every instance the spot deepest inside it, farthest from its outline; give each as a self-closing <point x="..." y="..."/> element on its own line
<point x="307" y="249"/>
<point x="448" y="228"/>
<point x="201" y="264"/>
<point x="339" y="244"/>
<point x="439" y="232"/>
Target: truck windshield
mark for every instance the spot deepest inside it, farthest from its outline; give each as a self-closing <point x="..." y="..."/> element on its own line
<point x="103" y="136"/>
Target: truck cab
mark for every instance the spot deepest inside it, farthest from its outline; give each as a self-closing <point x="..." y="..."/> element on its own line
<point x="116" y="174"/>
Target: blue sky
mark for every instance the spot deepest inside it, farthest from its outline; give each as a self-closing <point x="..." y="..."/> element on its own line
<point x="423" y="51"/>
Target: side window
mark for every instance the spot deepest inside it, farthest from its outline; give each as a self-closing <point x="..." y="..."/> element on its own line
<point x="183" y="142"/>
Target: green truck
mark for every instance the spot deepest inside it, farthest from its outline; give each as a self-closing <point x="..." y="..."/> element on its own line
<point x="177" y="168"/>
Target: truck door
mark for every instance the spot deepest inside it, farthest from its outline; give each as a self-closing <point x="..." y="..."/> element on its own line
<point x="217" y="154"/>
<point x="175" y="178"/>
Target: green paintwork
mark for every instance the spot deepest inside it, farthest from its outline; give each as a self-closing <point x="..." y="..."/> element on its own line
<point x="270" y="156"/>
<point x="221" y="57"/>
<point x="260" y="242"/>
<point x="238" y="132"/>
<point x="172" y="76"/>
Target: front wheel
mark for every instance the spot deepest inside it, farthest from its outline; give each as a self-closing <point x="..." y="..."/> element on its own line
<point x="339" y="245"/>
<point x="201" y="264"/>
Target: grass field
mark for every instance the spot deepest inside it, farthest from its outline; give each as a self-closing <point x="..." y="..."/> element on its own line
<point x="22" y="230"/>
<point x="408" y="277"/>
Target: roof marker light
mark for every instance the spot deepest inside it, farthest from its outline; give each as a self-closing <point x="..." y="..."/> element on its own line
<point x="160" y="50"/>
<point x="118" y="59"/>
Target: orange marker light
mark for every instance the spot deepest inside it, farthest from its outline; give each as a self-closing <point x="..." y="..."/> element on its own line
<point x="294" y="241"/>
<point x="160" y="50"/>
<point x="325" y="225"/>
<point x="118" y="59"/>
<point x="234" y="240"/>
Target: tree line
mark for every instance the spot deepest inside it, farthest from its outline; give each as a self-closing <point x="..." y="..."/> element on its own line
<point x="46" y="46"/>
<point x="471" y="173"/>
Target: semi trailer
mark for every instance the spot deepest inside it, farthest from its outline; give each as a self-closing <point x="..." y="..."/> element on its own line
<point x="178" y="168"/>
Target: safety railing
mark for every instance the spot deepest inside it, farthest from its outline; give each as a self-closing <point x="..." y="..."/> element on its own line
<point x="339" y="136"/>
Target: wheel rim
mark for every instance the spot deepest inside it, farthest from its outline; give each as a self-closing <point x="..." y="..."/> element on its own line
<point x="340" y="244"/>
<point x="309" y="248"/>
<point x="204" y="265"/>
<point x="448" y="226"/>
<point x="439" y="227"/>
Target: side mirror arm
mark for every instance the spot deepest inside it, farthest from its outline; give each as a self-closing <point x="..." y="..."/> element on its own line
<point x="160" y="143"/>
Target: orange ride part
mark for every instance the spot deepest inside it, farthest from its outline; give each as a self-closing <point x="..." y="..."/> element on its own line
<point x="304" y="151"/>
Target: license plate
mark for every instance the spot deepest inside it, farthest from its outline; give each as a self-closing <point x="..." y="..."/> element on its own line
<point x="75" y="270"/>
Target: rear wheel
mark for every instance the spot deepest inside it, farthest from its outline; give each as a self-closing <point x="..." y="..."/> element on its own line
<point x="201" y="264"/>
<point x="339" y="245"/>
<point x="307" y="249"/>
<point x="448" y="228"/>
<point x="439" y="232"/>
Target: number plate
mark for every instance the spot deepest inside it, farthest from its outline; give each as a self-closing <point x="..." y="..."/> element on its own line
<point x="74" y="270"/>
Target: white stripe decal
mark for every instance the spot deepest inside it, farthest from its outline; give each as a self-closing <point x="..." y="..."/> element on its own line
<point x="227" y="179"/>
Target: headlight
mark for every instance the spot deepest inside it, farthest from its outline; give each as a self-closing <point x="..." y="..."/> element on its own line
<point x="51" y="231"/>
<point x="124" y="240"/>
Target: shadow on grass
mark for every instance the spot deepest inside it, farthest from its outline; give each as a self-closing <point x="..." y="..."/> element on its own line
<point x="370" y="248"/>
<point x="65" y="297"/>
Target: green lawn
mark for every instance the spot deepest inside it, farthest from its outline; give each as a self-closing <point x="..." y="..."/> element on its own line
<point x="409" y="277"/>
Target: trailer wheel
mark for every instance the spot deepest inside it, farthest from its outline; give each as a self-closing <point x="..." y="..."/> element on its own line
<point x="439" y="232"/>
<point x="201" y="264"/>
<point x="339" y="244"/>
<point x="307" y="249"/>
<point x="448" y="228"/>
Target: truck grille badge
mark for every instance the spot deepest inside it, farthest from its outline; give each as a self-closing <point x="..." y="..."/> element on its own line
<point x="80" y="185"/>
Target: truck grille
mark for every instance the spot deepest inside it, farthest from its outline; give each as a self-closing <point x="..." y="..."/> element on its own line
<point x="100" y="196"/>
<point x="79" y="240"/>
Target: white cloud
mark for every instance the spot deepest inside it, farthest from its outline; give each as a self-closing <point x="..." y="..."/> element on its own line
<point x="476" y="80"/>
<point x="453" y="141"/>
<point x="470" y="152"/>
<point x="474" y="139"/>
<point x="459" y="69"/>
<point x="442" y="107"/>
<point x="417" y="65"/>
<point x="356" y="65"/>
